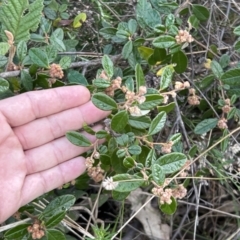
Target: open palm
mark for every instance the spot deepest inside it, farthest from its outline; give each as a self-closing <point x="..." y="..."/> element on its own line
<point x="35" y="156"/>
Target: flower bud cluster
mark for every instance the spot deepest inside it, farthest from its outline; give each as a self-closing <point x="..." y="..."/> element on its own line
<point x="56" y="71"/>
<point x="193" y="99"/>
<point x="36" y="230"/>
<point x="132" y="97"/>
<point x="184" y="36"/>
<point x="222" y="123"/>
<point x="179" y="85"/>
<point x="167" y="147"/>
<point x="227" y="108"/>
<point x="115" y="84"/>
<point x="165" y="194"/>
<point x="95" y="172"/>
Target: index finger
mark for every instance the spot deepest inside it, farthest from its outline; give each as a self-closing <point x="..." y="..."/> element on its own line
<point x="28" y="106"/>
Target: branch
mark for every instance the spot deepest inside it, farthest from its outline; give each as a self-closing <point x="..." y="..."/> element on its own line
<point x="73" y="65"/>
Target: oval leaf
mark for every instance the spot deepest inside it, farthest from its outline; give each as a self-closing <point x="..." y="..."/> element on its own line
<point x="53" y="234"/>
<point x="127" y="182"/>
<point x="4" y="85"/>
<point x="58" y="205"/>
<point x="119" y="121"/>
<point x="231" y="77"/>
<point x="157" y="123"/>
<point x="39" y="57"/>
<point x="158" y="174"/>
<point x="103" y="102"/>
<point x="108" y="66"/>
<point x="181" y="61"/>
<point x="17" y="232"/>
<point x="171" y="162"/>
<point x="206" y="125"/>
<point x="78" y="139"/>
<point x="164" y="41"/>
<point x="200" y="12"/>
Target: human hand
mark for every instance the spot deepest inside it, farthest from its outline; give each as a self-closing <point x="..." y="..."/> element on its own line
<point x="35" y="156"/>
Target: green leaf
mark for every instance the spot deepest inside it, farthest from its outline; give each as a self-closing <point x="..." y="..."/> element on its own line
<point x="170" y="19"/>
<point x="50" y="13"/>
<point x="141" y="122"/>
<point x="65" y="62"/>
<point x="4" y="85"/>
<point x="39" y="57"/>
<point x="135" y="150"/>
<point x="58" y="205"/>
<point x="17" y="232"/>
<point x="78" y="139"/>
<point x="237" y="46"/>
<point x="119" y="196"/>
<point x="217" y="69"/>
<point x="152" y="101"/>
<point x="4" y="47"/>
<point x="193" y="21"/>
<point x="166" y="108"/>
<point x="19" y="17"/>
<point x="21" y="50"/>
<point x="164" y="41"/>
<point x="171" y="162"/>
<point x="105" y="159"/>
<point x="127" y="49"/>
<point x="101" y="134"/>
<point x="108" y="66"/>
<point x="55" y="219"/>
<point x="103" y="102"/>
<point x="151" y="158"/>
<point x="101" y="83"/>
<point x="108" y="32"/>
<point x="129" y="83"/>
<point x="207" y="81"/>
<point x="206" y="125"/>
<point x="26" y="80"/>
<point x="157" y="123"/>
<point x="140" y="79"/>
<point x="119" y="121"/>
<point x="166" y="78"/>
<point x="53" y="234"/>
<point x="181" y="60"/>
<point x="200" y="12"/>
<point x="231" y="77"/>
<point x="79" y="19"/>
<point x="169" y="208"/>
<point x="158" y="55"/>
<point x="128" y="162"/>
<point x="175" y="138"/>
<point x="77" y="78"/>
<point x="132" y="26"/>
<point x="58" y="43"/>
<point x="236" y="30"/>
<point x="145" y="52"/>
<point x="224" y="60"/>
<point x="51" y="52"/>
<point x="88" y="129"/>
<point x="3" y="61"/>
<point x="158" y="174"/>
<point x="37" y="38"/>
<point x="121" y="153"/>
<point x="122" y="140"/>
<point x="127" y="182"/>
